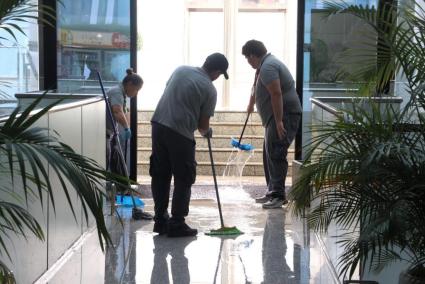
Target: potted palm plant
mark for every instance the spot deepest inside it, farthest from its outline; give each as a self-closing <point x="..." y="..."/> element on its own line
<point x="26" y="151"/>
<point x="367" y="173"/>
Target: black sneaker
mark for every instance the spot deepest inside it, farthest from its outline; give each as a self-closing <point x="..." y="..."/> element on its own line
<point x="180" y="230"/>
<point x="139" y="214"/>
<point x="160" y="227"/>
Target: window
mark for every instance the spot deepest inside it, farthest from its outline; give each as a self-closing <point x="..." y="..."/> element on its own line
<point x="19" y="69"/>
<point x="93" y="35"/>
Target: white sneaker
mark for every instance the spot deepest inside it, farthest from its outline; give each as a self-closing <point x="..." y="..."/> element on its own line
<point x="262" y="199"/>
<point x="275" y="203"/>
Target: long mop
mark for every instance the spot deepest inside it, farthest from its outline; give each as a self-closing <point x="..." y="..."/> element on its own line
<point x="137" y="213"/>
<point x="223" y="230"/>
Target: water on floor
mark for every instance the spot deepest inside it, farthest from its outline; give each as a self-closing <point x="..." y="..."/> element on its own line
<point x="276" y="247"/>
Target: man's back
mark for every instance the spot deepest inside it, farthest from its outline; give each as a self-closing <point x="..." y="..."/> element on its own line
<point x="189" y="94"/>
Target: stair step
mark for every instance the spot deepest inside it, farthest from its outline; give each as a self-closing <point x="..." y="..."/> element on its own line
<point x="219" y="116"/>
<point x="219" y="155"/>
<point x="204" y="168"/>
<point x="219" y="128"/>
<point x="218" y="141"/>
<point x="226" y="125"/>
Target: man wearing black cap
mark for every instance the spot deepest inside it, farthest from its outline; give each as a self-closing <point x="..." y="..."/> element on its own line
<point x="187" y="104"/>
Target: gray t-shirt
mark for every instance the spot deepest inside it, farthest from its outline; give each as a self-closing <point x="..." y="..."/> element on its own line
<point x="270" y="70"/>
<point x="188" y="95"/>
<point x="116" y="96"/>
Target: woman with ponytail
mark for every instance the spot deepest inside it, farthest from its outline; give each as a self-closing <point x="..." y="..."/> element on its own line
<point x="119" y="99"/>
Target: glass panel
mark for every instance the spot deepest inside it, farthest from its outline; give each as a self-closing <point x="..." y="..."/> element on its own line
<point x="92" y="35"/>
<point x="324" y="41"/>
<point x="161" y="49"/>
<point x="204" y="4"/>
<point x="206" y="36"/>
<point x="19" y="68"/>
<point x="259" y="4"/>
<point x="193" y="29"/>
<point x="251" y="25"/>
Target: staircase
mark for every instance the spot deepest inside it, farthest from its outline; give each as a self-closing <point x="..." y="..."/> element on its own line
<point x="225" y="125"/>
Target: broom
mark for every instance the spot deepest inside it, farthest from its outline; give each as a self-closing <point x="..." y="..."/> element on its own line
<point x="223" y="230"/>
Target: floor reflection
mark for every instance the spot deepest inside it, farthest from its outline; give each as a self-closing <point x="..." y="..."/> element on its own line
<point x="275" y="267"/>
<point x="175" y="248"/>
<point x="120" y="266"/>
<point x="274" y="249"/>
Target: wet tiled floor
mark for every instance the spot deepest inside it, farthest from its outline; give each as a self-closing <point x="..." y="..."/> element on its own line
<point x="276" y="247"/>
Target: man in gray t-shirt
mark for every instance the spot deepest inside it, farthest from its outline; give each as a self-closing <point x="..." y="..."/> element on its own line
<point x="280" y="110"/>
<point x="188" y="96"/>
<point x="187" y="104"/>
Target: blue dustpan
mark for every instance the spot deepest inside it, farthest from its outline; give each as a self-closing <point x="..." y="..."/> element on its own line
<point x="245" y="147"/>
<point x="125" y="200"/>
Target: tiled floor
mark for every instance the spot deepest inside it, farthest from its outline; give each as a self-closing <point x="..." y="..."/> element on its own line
<point x="275" y="247"/>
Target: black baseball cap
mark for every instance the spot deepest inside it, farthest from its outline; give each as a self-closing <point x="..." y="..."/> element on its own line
<point x="217" y="61"/>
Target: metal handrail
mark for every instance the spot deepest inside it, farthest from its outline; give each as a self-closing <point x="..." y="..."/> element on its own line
<point x="360" y="282"/>
<point x="326" y="107"/>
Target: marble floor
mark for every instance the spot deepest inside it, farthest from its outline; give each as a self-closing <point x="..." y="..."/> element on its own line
<point x="276" y="247"/>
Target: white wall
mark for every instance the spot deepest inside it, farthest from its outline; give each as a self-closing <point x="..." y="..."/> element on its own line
<point x="83" y="128"/>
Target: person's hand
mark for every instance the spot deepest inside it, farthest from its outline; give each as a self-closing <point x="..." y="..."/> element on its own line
<point x="127" y="133"/>
<point x="208" y="133"/>
<point x="281" y="131"/>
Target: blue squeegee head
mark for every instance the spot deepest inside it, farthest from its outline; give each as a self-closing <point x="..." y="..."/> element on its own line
<point x="245" y="147"/>
<point x="126" y="201"/>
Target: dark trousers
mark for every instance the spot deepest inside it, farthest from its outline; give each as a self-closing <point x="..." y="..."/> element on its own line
<point x="275" y="152"/>
<point x="173" y="155"/>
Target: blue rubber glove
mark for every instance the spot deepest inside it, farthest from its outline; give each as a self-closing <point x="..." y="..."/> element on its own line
<point x="127" y="133"/>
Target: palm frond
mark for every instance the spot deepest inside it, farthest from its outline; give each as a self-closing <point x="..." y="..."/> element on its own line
<point x="6" y="276"/>
<point x="30" y="150"/>
<point x="363" y="165"/>
<point x="13" y="11"/>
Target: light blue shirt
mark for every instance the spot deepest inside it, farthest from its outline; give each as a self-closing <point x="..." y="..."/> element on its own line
<point x="116" y="96"/>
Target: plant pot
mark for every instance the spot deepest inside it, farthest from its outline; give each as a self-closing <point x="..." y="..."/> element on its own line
<point x="407" y="278"/>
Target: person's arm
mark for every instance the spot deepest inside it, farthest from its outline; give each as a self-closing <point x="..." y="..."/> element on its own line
<point x="251" y="103"/>
<point x="204" y="125"/>
<point x="119" y="116"/>
<point x="277" y="105"/>
<point x="128" y="118"/>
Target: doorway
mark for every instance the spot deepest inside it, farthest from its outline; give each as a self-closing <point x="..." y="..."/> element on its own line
<point x="185" y="32"/>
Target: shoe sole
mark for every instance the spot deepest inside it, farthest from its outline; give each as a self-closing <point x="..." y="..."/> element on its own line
<point x="275" y="206"/>
<point x="262" y="201"/>
<point x="181" y="236"/>
<point x="162" y="230"/>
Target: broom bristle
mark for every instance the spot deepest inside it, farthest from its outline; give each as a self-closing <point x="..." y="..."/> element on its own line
<point x="224" y="231"/>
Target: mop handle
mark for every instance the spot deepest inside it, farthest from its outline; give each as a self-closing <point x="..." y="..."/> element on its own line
<point x="111" y="118"/>
<point x="108" y="106"/>
<point x="243" y="129"/>
<point x="215" y="182"/>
